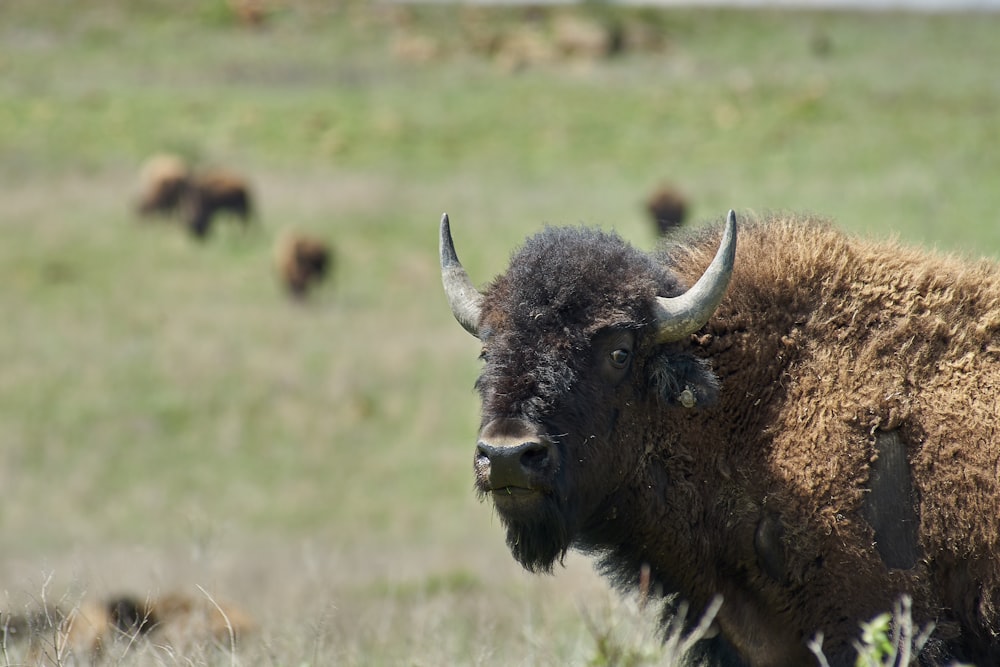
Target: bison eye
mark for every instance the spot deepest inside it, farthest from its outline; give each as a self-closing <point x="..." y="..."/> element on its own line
<point x="619" y="358"/>
<point x="613" y="350"/>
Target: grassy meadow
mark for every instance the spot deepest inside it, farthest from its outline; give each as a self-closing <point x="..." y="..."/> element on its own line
<point x="169" y="419"/>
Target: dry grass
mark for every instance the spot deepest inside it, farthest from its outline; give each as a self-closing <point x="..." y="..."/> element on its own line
<point x="343" y="604"/>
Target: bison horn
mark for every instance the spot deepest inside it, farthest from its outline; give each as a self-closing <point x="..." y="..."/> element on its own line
<point x="463" y="297"/>
<point x="682" y="315"/>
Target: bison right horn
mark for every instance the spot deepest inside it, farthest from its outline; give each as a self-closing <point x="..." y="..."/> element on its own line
<point x="465" y="300"/>
<point x="682" y="315"/>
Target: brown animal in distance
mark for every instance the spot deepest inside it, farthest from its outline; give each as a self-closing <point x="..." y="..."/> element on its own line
<point x="301" y="262"/>
<point x="163" y="180"/>
<point x="667" y="207"/>
<point x="90" y="629"/>
<point x="211" y="193"/>
<point x="168" y="186"/>
<point x="809" y="430"/>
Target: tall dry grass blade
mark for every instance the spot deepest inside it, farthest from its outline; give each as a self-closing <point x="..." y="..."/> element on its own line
<point x="676" y="643"/>
<point x="229" y="626"/>
<point x="816" y="646"/>
<point x="3" y="645"/>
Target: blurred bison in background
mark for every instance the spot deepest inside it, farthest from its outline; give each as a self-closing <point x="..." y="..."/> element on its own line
<point x="811" y="430"/>
<point x="88" y="630"/>
<point x="163" y="180"/>
<point x="668" y="209"/>
<point x="250" y="13"/>
<point x="301" y="262"/>
<point x="168" y="186"/>
<point x="211" y="193"/>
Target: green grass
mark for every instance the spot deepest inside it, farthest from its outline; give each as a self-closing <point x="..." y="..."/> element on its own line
<point x="168" y="418"/>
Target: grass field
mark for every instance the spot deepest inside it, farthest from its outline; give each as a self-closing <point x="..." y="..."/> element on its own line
<point x="168" y="419"/>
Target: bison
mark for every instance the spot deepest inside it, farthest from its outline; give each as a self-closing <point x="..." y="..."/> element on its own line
<point x="89" y="629"/>
<point x="214" y="192"/>
<point x="811" y="430"/>
<point x="163" y="180"/>
<point x="301" y="262"/>
<point x="667" y="208"/>
<point x="168" y="186"/>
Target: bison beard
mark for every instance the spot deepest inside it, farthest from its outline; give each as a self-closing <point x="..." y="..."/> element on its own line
<point x="537" y="537"/>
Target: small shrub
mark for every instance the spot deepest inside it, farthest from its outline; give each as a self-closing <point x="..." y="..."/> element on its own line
<point x="888" y="640"/>
<point x="630" y="636"/>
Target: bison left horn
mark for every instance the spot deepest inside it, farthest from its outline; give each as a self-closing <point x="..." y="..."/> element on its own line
<point x="682" y="315"/>
<point x="465" y="300"/>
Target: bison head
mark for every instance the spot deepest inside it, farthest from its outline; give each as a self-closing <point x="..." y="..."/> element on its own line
<point x="583" y="338"/>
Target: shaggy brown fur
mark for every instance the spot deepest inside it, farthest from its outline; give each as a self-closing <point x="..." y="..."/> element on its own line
<point x="667" y="207"/>
<point x="823" y="343"/>
<point x="89" y="629"/>
<point x="301" y="262"/>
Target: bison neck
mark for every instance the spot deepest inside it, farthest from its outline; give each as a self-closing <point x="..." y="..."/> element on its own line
<point x="669" y="542"/>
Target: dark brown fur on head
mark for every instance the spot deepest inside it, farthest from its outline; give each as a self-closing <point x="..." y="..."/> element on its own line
<point x="568" y="292"/>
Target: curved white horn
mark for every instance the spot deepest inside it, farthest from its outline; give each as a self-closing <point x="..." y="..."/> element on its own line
<point x="463" y="297"/>
<point x="682" y="315"/>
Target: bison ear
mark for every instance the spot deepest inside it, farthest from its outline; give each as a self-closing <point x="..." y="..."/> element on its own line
<point x="683" y="379"/>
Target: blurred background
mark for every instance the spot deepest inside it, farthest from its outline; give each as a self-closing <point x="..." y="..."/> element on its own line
<point x="227" y="367"/>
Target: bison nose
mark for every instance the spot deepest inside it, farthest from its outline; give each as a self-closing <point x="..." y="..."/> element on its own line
<point x="511" y="455"/>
